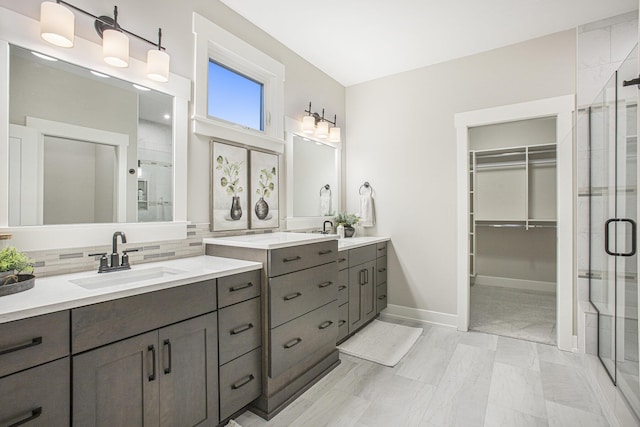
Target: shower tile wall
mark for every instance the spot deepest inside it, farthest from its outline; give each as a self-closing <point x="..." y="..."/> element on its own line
<point x="602" y="46"/>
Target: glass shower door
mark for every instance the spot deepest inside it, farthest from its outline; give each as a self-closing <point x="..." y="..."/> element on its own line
<point x="614" y="209"/>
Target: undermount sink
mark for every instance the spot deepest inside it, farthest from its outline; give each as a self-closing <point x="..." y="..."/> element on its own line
<point x="104" y="280"/>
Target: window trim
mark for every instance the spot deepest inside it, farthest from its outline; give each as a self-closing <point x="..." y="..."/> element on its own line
<point x="217" y="44"/>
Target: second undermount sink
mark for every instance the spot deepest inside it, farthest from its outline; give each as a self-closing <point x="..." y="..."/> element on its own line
<point x="104" y="280"/>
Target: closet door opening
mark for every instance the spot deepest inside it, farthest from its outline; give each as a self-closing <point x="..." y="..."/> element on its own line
<point x="512" y="229"/>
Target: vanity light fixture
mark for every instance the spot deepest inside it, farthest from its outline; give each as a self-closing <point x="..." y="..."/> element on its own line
<point x="57" y="26"/>
<point x="316" y="123"/>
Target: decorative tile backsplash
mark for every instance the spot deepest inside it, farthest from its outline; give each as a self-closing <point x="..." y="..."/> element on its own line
<point x="73" y="260"/>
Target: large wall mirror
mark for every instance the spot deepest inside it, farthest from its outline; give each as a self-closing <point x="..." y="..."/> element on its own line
<point x="74" y="135"/>
<point x="89" y="148"/>
<point x="313" y="178"/>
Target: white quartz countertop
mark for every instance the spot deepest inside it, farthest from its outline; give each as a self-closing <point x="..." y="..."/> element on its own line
<point x="57" y="293"/>
<point x="277" y="240"/>
<point x="356" y="242"/>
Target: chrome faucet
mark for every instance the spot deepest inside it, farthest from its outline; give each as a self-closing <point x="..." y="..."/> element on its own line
<point x="324" y="227"/>
<point x="115" y="261"/>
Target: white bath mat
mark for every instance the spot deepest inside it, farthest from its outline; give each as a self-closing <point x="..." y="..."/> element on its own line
<point x="381" y="342"/>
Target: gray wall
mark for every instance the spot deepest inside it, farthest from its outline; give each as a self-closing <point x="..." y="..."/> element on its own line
<point x="401" y="138"/>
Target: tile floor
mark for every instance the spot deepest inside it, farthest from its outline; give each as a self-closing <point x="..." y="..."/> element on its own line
<point x="451" y="378"/>
<point x="516" y="313"/>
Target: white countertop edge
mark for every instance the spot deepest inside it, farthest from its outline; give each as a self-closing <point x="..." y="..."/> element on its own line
<point x="357" y="242"/>
<point x="268" y="241"/>
<point x="37" y="301"/>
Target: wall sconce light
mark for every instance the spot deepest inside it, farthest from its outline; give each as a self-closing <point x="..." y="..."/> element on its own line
<point x="57" y="26"/>
<point x="316" y="123"/>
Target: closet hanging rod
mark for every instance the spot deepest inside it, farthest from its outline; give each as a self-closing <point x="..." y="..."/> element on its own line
<point x="511" y="153"/>
<point x="516" y="225"/>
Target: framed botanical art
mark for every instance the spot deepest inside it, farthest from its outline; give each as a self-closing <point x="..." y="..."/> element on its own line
<point x="264" y="190"/>
<point x="229" y="207"/>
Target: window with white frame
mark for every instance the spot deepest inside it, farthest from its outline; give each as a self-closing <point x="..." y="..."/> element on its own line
<point x="239" y="90"/>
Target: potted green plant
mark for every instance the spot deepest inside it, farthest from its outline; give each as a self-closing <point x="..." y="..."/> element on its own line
<point x="348" y="220"/>
<point x="15" y="271"/>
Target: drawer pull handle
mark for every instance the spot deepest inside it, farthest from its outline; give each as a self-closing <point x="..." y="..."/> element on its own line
<point x="167" y="344"/>
<point x="381" y="297"/>
<point x="240" y="287"/>
<point x="152" y="349"/>
<point x="341" y="322"/>
<point x="382" y="270"/>
<point x="34" y="342"/>
<point x="295" y="258"/>
<point x="325" y="325"/>
<point x="292" y="296"/>
<point x="342" y="288"/>
<point x="246" y="380"/>
<point x="325" y="284"/>
<point x="241" y="329"/>
<point x="294" y="342"/>
<point x="342" y="260"/>
<point x="325" y="252"/>
<point x="34" y="414"/>
<point x="382" y="248"/>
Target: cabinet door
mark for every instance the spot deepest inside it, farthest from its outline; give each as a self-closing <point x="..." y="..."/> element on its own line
<point x="368" y="301"/>
<point x="355" y="282"/>
<point x="117" y="385"/>
<point x="36" y="397"/>
<point x="188" y="372"/>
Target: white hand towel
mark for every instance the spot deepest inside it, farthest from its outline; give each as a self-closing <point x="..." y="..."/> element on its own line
<point x="325" y="203"/>
<point x="367" y="212"/>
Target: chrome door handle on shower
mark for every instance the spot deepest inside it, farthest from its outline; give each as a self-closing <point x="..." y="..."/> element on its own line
<point x="634" y="238"/>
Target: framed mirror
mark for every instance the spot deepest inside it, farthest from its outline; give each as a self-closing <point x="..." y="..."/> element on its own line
<point x="89" y="148"/>
<point x="313" y="178"/>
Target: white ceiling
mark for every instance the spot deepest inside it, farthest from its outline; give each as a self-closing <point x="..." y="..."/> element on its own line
<point x="359" y="40"/>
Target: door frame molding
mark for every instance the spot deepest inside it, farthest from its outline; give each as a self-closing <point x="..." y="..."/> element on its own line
<point x="562" y="108"/>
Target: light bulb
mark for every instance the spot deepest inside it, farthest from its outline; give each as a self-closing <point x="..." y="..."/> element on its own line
<point x="158" y="65"/>
<point x="57" y="24"/>
<point x="115" y="48"/>
<point x="323" y="130"/>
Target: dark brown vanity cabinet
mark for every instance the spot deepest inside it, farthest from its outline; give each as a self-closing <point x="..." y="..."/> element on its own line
<point x="362" y="286"/>
<point x="34" y="371"/>
<point x="165" y="377"/>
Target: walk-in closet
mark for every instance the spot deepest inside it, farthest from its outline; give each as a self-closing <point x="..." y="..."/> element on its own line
<point x="512" y="229"/>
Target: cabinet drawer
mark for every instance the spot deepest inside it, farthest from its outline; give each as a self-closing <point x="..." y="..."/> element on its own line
<point x="295" y="294"/>
<point x="343" y="286"/>
<point x="343" y="321"/>
<point x="343" y="260"/>
<point x="294" y="258"/>
<point x="30" y="342"/>
<point x="381" y="249"/>
<point x="239" y="329"/>
<point x="381" y="270"/>
<point x="296" y="340"/>
<point x="239" y="287"/>
<point x="240" y="383"/>
<point x="361" y="255"/>
<point x="98" y="324"/>
<point x="37" y="397"/>
<point x="381" y="297"/>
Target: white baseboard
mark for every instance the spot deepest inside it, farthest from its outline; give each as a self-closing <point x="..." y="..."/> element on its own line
<point x="420" y="316"/>
<point x="503" y="282"/>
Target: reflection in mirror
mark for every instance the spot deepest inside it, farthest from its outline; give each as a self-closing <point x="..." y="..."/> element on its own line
<point x="75" y="138"/>
<point x="314" y="168"/>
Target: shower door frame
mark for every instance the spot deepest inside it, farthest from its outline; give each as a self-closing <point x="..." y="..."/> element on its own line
<point x="562" y="108"/>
